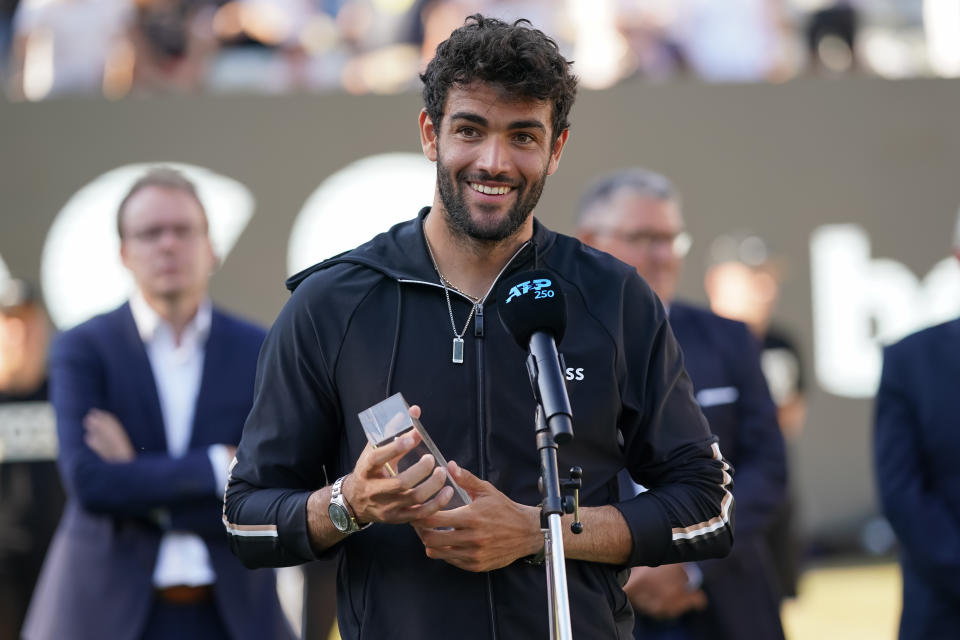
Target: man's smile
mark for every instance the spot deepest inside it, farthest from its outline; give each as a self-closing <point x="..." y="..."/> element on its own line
<point x="489" y="189"/>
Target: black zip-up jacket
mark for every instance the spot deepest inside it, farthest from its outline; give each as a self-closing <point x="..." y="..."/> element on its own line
<point x="374" y="321"/>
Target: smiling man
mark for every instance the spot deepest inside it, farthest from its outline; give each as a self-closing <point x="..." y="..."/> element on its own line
<point x="406" y="313"/>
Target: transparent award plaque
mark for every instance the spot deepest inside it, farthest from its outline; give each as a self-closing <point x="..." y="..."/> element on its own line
<point x="386" y="421"/>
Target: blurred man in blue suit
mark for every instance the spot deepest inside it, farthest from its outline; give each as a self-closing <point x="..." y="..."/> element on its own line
<point x="150" y="402"/>
<point x="635" y="215"/>
<point x="916" y="453"/>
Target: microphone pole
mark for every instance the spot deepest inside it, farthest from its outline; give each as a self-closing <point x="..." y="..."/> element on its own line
<point x="533" y="311"/>
<point x="551" y="510"/>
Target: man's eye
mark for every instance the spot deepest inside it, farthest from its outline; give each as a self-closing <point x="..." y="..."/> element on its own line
<point x="468" y="132"/>
<point x="523" y="138"/>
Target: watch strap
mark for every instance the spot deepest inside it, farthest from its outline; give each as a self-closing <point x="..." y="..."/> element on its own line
<point x="337" y="497"/>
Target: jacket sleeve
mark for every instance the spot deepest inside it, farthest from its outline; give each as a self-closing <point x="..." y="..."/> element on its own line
<point x="151" y="481"/>
<point x="688" y="511"/>
<point x="289" y="441"/>
<point x="921" y="518"/>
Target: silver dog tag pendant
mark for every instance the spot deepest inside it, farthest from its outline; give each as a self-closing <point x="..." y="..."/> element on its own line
<point x="457" y="350"/>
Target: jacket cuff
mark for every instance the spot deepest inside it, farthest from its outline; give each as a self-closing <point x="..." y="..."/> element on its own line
<point x="649" y="529"/>
<point x="292" y="526"/>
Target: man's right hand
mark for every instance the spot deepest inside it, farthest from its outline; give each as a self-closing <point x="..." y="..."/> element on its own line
<point x="376" y="496"/>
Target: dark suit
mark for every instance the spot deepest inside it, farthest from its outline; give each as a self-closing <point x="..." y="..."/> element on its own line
<point x="97" y="578"/>
<point x="917" y="455"/>
<point x="723" y="360"/>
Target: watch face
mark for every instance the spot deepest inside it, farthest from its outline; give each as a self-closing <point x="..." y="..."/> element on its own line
<point x="339" y="517"/>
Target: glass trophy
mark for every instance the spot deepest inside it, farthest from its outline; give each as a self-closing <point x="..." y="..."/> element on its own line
<point x="386" y="421"/>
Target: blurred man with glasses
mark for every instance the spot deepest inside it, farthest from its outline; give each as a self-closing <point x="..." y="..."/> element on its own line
<point x="636" y="216"/>
<point x="150" y="401"/>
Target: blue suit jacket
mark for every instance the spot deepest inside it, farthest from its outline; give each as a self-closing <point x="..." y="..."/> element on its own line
<point x="917" y="456"/>
<point x="723" y="360"/>
<point x="97" y="578"/>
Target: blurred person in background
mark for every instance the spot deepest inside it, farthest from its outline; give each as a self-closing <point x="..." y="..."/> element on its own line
<point x="31" y="498"/>
<point x="645" y="28"/>
<point x="742" y="282"/>
<point x="67" y="46"/>
<point x="831" y="36"/>
<point x="150" y="401"/>
<point x="635" y="215"/>
<point x="171" y="45"/>
<point x="733" y="40"/>
<point x="916" y="454"/>
<point x="275" y="46"/>
<point x="7" y="10"/>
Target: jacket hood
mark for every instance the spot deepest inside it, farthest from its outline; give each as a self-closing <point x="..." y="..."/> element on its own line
<point x="400" y="253"/>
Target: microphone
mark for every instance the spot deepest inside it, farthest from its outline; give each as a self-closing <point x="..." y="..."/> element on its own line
<point x="533" y="310"/>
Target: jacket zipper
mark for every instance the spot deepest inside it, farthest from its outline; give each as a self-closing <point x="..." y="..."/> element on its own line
<point x="478" y="332"/>
<point x="482" y="418"/>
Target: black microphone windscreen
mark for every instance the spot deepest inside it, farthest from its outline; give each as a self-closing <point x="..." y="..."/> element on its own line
<point x="531" y="301"/>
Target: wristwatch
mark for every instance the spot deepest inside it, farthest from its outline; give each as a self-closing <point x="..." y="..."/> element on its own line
<point x="341" y="515"/>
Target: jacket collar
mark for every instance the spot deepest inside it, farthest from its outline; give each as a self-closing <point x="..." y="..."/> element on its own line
<point x="148" y="321"/>
<point x="401" y="253"/>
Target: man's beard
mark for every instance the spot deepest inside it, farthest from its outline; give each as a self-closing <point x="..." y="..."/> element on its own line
<point x="458" y="213"/>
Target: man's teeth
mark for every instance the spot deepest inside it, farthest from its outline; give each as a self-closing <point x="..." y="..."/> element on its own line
<point x="490" y="191"/>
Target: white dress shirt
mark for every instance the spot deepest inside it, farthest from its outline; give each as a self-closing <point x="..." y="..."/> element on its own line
<point x="177" y="370"/>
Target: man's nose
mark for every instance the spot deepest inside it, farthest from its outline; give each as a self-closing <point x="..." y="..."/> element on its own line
<point x="662" y="250"/>
<point x="168" y="239"/>
<point x="494" y="157"/>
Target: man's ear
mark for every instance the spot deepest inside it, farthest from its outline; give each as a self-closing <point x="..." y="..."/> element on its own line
<point x="428" y="136"/>
<point x="557" y="151"/>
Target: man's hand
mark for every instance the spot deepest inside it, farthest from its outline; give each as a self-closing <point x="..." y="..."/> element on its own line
<point x="106" y="436"/>
<point x="376" y="496"/>
<point x="489" y="533"/>
<point x="663" y="592"/>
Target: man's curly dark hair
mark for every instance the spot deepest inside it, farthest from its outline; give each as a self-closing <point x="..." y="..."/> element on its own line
<point x="523" y="61"/>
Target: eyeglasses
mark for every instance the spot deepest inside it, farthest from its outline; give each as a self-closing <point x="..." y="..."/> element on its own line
<point x="181" y="232"/>
<point x="646" y="240"/>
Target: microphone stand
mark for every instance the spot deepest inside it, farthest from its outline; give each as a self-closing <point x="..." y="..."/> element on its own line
<point x="554" y="504"/>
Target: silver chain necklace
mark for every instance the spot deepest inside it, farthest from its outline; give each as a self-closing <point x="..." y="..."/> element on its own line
<point x="477" y="302"/>
<point x="457" y="337"/>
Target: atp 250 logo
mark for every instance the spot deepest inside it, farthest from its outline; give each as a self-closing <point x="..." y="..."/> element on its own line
<point x="541" y="288"/>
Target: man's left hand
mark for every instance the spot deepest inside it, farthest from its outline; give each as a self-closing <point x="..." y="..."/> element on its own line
<point x="663" y="592"/>
<point x="489" y="533"/>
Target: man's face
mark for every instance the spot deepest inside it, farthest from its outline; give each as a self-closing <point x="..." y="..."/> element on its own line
<point x="643" y="232"/>
<point x="165" y="244"/>
<point x="493" y="157"/>
<point x="743" y="293"/>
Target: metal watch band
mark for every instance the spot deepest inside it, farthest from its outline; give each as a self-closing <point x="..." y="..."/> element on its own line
<point x="339" y="502"/>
